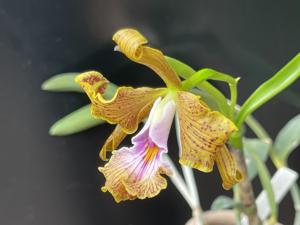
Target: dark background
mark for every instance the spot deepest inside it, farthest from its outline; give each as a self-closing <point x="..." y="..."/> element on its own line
<point x="54" y="180"/>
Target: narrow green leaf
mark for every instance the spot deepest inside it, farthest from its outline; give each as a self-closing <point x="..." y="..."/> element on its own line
<point x="265" y="180"/>
<point x="281" y="80"/>
<point x="62" y="82"/>
<point x="260" y="148"/>
<point x="222" y="202"/>
<point x="287" y="139"/>
<point x="186" y="71"/>
<point x="76" y="121"/>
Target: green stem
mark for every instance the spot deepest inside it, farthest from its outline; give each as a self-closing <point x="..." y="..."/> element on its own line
<point x="235" y="140"/>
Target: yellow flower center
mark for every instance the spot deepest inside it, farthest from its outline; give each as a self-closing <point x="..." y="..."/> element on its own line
<point x="151" y="153"/>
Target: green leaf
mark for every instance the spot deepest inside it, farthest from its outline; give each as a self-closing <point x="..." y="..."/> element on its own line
<point x="222" y="202"/>
<point x="287" y="139"/>
<point x="76" y="121"/>
<point x="265" y="180"/>
<point x="281" y="80"/>
<point x="62" y="82"/>
<point x="186" y="71"/>
<point x="260" y="148"/>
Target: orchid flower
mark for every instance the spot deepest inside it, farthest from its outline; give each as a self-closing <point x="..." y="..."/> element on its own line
<point x="136" y="171"/>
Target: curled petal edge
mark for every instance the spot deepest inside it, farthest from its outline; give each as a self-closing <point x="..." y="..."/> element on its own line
<point x="128" y="107"/>
<point x="132" y="44"/>
<point x="112" y="142"/>
<point x="227" y="167"/>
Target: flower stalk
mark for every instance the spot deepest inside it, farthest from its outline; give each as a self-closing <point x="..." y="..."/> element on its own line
<point x="179" y="183"/>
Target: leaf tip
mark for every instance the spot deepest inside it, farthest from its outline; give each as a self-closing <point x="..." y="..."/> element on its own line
<point x="52" y="131"/>
<point x="56" y="130"/>
<point x="45" y="86"/>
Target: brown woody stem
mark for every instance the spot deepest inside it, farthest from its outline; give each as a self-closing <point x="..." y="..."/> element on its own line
<point x="246" y="194"/>
<point x="222" y="217"/>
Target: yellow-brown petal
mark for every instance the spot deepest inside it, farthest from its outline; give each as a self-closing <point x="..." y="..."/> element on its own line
<point x="148" y="188"/>
<point x="127" y="108"/>
<point x="132" y="44"/>
<point x="112" y="142"/>
<point x="201" y="131"/>
<point x="114" y="175"/>
<point x="228" y="170"/>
